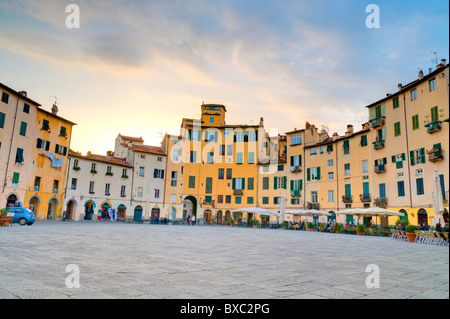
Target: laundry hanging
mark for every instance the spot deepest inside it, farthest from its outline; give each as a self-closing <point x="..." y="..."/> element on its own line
<point x="57" y="163"/>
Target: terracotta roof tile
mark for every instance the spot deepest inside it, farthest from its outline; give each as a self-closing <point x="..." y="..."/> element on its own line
<point x="148" y="149"/>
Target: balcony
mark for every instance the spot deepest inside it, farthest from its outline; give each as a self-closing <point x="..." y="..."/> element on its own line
<point x="378" y="121"/>
<point x="208" y="204"/>
<point x="435" y="155"/>
<point x="238" y="192"/>
<point x="433" y="127"/>
<point x="296" y="193"/>
<point x="378" y="144"/>
<point x="381" y="202"/>
<point x="347" y="199"/>
<point x="296" y="169"/>
<point x="313" y="206"/>
<point x="380" y="168"/>
<point x="365" y="198"/>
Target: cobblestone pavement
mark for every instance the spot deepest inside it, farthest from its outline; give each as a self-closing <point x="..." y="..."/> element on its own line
<point x="184" y="262"/>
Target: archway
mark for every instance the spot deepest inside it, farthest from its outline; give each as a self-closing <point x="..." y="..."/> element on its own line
<point x="52" y="206"/>
<point x="190" y="207"/>
<point x="121" y="212"/>
<point x="155" y="213"/>
<point x="207" y="216"/>
<point x="89" y="210"/>
<point x="34" y="205"/>
<point x="332" y="217"/>
<point x="11" y="201"/>
<point x="422" y="216"/>
<point x="405" y="215"/>
<point x="227" y="215"/>
<point x="138" y="214"/>
<point x="71" y="209"/>
<point x="219" y="217"/>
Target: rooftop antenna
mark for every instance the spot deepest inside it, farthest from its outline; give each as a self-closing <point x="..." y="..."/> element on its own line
<point x="435" y="59"/>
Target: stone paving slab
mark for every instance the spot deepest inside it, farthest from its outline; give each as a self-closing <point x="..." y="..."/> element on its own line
<point x="139" y="261"/>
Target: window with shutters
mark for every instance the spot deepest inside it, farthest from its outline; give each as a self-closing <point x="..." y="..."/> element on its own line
<point x="209" y="184"/>
<point x="415" y="122"/>
<point x="401" y="188"/>
<point x="313" y="174"/>
<point x="397" y="130"/>
<point x="265" y="200"/>
<point x="55" y="186"/>
<point x="45" y="125"/>
<point x="158" y="173"/>
<point x="23" y="129"/>
<point x="346" y="169"/>
<point x="417" y="156"/>
<point x="363" y="140"/>
<point x="346" y="147"/>
<point x="2" y="120"/>
<point x="266" y="182"/>
<point x="434" y="114"/>
<point x="19" y="156"/>
<point x="191" y="181"/>
<point x="5" y="97"/>
<point x="251" y="182"/>
<point x="365" y="167"/>
<point x="413" y="94"/>
<point x="419" y="186"/>
<point x="395" y="102"/>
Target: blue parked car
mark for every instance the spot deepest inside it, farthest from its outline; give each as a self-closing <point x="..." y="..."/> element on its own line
<point x="22" y="215"/>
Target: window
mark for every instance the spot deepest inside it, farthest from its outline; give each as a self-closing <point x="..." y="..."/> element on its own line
<point x="329" y="148"/>
<point x="93" y="167"/>
<point x="140" y="192"/>
<point x="59" y="149"/>
<point x="239" y="136"/>
<point x="2" y="120"/>
<point x="108" y="169"/>
<point x="220" y="199"/>
<point x="193" y="158"/>
<point x="314" y="197"/>
<point x="107" y="189"/>
<point x="239" y="158"/>
<point x="141" y="171"/>
<point x="238" y="200"/>
<point x="239" y="183"/>
<point x="91" y="187"/>
<point x="226" y="133"/>
<point x="313" y="151"/>
<point x="401" y="188"/>
<point x="160" y="159"/>
<point x="415" y="122"/>
<point x="229" y="173"/>
<point x="280" y="182"/>
<point x="346" y="147"/>
<point x="158" y="173"/>
<point x="191" y="181"/>
<point x="15" y="180"/>
<point x="194" y="135"/>
<point x="397" y="130"/>
<point x="252" y="136"/>
<point x="19" y="156"/>
<point x="432" y="84"/>
<point x="23" y="129"/>
<point x="266" y="182"/>
<point x="228" y="199"/>
<point x="398" y="160"/>
<point x="210" y="158"/>
<point x="330" y="162"/>
<point x="229" y="150"/>
<point x="5" y="97"/>
<point x="74" y="184"/>
<point x="296" y="185"/>
<point x="211" y="120"/>
<point x="209" y="182"/>
<point x="330" y="196"/>
<point x="330" y="175"/>
<point x="265" y="200"/>
<point x="277" y="200"/>
<point x="365" y="167"/>
<point x="45" y="125"/>
<point x="156" y="193"/>
<point x="175" y="155"/>
<point x="251" y="158"/>
<point x="251" y="182"/>
<point x="321" y="150"/>
<point x="249" y="200"/>
<point x="313" y="174"/>
<point x="434" y="114"/>
<point x="208" y="199"/>
<point x="124" y="172"/>
<point x="296" y="161"/>
<point x="37" y="183"/>
<point x="211" y="136"/>
<point x="346" y="169"/>
<point x="396" y="103"/>
<point x="364" y="140"/>
<point x="63" y="132"/>
<point x="417" y="156"/>
<point x="221" y="173"/>
<point x="419" y="185"/>
<point x="75" y="163"/>
<point x="296" y="139"/>
<point x="281" y="168"/>
<point x="174" y="175"/>
<point x="413" y="94"/>
<point x="173" y="197"/>
<point x="122" y="190"/>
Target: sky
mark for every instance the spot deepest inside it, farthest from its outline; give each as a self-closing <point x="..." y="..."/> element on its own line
<point x="139" y="67"/>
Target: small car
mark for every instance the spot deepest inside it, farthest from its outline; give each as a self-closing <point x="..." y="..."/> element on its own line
<point x="22" y="215"/>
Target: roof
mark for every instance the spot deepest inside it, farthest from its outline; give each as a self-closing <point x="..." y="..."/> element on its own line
<point x="410" y="85"/>
<point x="340" y="138"/>
<point x="101" y="158"/>
<point x="57" y="116"/>
<point x="157" y="150"/>
<point x="19" y="94"/>
<point x="138" y="139"/>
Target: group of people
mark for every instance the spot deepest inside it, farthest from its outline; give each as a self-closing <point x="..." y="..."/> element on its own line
<point x="190" y="220"/>
<point x="441" y="229"/>
<point x="162" y="221"/>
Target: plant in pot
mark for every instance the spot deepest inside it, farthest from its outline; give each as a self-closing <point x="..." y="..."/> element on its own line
<point x="310" y="226"/>
<point x="410" y="232"/>
<point x="232" y="222"/>
<point x="322" y="227"/>
<point x="255" y="223"/>
<point x="285" y="224"/>
<point x="361" y="230"/>
<point x="338" y="228"/>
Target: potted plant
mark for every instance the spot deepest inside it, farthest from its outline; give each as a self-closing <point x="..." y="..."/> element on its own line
<point x="410" y="234"/>
<point x="285" y="224"/>
<point x="309" y="226"/>
<point x="255" y="223"/>
<point x="232" y="222"/>
<point x="361" y="230"/>
<point x="338" y="228"/>
<point x="322" y="227"/>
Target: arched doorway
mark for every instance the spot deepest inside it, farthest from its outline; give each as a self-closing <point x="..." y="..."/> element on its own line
<point x="190" y="207"/>
<point x="227" y="215"/>
<point x="207" y="215"/>
<point x="138" y="214"/>
<point x="71" y="209"/>
<point x="52" y="206"/>
<point x="89" y="210"/>
<point x="403" y="218"/>
<point x="219" y="217"/>
<point x="34" y="205"/>
<point x="11" y="201"/>
<point x="422" y="216"/>
<point x="155" y="213"/>
<point x="105" y="211"/>
<point x="332" y="217"/>
<point x="121" y="213"/>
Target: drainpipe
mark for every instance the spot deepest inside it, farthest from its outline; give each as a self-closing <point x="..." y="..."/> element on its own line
<point x="10" y="145"/>
<point x="407" y="151"/>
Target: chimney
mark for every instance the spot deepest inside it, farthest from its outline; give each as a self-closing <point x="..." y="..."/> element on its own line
<point x="349" y="129"/>
<point x="109" y="153"/>
<point x="420" y="74"/>
<point x="24" y="93"/>
<point x="400" y="86"/>
<point x="261" y="121"/>
<point x="443" y="62"/>
<point x="89" y="153"/>
<point x="54" y="109"/>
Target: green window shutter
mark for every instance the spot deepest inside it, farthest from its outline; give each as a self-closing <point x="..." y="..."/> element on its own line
<point x="292" y="185"/>
<point x="366" y="188"/>
<point x="2" y="120"/>
<point x="422" y="155"/>
<point x="415" y="120"/>
<point x="285" y="182"/>
<point x="318" y="173"/>
<point x="364" y="140"/>
<point x="394" y="159"/>
<point x="383" y="130"/>
<point x="275" y="183"/>
<point x="383" y="109"/>
<point x="434" y="114"/>
<point x="348" y="189"/>
<point x="403" y="156"/>
<point x="372" y="113"/>
<point x="413" y="160"/>
<point x="399" y="164"/>
<point x="275" y="200"/>
<point x="265" y="183"/>
<point x="250" y="183"/>
<point x="234" y="183"/>
<point x="191" y="181"/>
<point x="243" y="183"/>
<point x="308" y="174"/>
<point x="396" y="102"/>
<point x="16" y="178"/>
<point x="23" y="129"/>
<point x="301" y="184"/>
<point x="397" y="130"/>
<point x="209" y="182"/>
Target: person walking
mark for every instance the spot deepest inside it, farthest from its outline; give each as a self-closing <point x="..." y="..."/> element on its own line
<point x="188" y="219"/>
<point x="193" y="220"/>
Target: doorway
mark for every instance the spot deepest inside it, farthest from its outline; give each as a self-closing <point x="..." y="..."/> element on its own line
<point x="70" y="211"/>
<point x="138" y="214"/>
<point x="51" y="211"/>
<point x="190" y="206"/>
<point x="422" y="216"/>
<point x="11" y="201"/>
<point x="155" y="214"/>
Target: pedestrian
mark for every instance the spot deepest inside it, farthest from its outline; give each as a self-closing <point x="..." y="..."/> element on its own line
<point x="193" y="220"/>
<point x="188" y="220"/>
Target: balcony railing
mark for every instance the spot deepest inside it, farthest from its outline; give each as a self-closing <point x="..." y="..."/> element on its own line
<point x="238" y="192"/>
<point x="347" y="199"/>
<point x="296" y="193"/>
<point x="313" y="206"/>
<point x="296" y="169"/>
<point x="435" y="155"/>
<point x="378" y="121"/>
<point x="211" y="204"/>
<point x="381" y="202"/>
<point x="380" y="168"/>
<point x="433" y="127"/>
<point x="365" y="198"/>
<point x="378" y="144"/>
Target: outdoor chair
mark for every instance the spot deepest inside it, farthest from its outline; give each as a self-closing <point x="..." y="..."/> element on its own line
<point x="393" y="234"/>
<point x="403" y="235"/>
<point x="433" y="237"/>
<point x="440" y="239"/>
<point x="419" y="236"/>
<point x="445" y="238"/>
